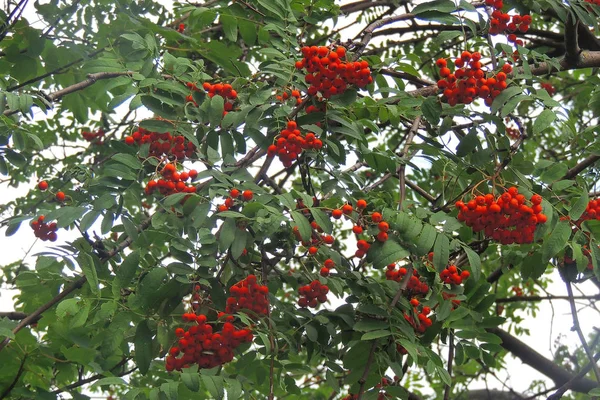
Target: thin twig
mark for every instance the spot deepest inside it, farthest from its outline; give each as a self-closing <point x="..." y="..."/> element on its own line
<point x="448" y="388"/>
<point x="577" y="328"/>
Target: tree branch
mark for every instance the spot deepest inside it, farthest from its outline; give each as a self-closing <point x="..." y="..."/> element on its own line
<point x="540" y="363"/>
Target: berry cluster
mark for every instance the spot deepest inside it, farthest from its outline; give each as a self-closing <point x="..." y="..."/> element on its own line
<point x="469" y="81"/>
<point x="284" y="96"/>
<point x="174" y="147"/>
<point x="422" y="321"/>
<point x="451" y="274"/>
<point x="225" y="90"/>
<point x="204" y="346"/>
<point x="548" y="86"/>
<point x="503" y="23"/>
<point x="592" y="211"/>
<point x="290" y="143"/>
<point x="506" y="219"/>
<point x="94" y="137"/>
<point x="328" y="73"/>
<point x="328" y="265"/>
<point x="247" y="195"/>
<point x="362" y="223"/>
<point x="43" y="230"/>
<point x="173" y="182"/>
<point x="247" y="294"/>
<point x="518" y="291"/>
<point x="393" y="274"/>
<point x="312" y="294"/>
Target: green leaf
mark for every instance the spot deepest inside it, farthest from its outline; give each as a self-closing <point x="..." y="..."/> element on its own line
<point x="87" y="265"/>
<point x="191" y="380"/>
<point x="543" y="121"/>
<point x="504" y="96"/>
<point x="375" y="334"/>
<point x="432" y="108"/>
<point x="556" y="241"/>
<point x="322" y="220"/>
<point x="474" y="262"/>
<point x="445" y="6"/>
<point x="214" y="384"/>
<point x="441" y="252"/>
<point x="230" y="26"/>
<point x="128" y="268"/>
<point x="215" y="113"/>
<point x="303" y="225"/>
<point x="426" y="239"/>
<point x="467" y="144"/>
<point x="384" y="254"/>
<point x="579" y="206"/>
<point x="143" y="347"/>
<point x="157" y="125"/>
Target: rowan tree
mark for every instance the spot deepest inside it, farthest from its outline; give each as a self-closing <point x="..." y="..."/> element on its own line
<point x="295" y="199"/>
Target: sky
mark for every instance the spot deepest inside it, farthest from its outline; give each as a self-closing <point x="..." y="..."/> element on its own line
<point x="553" y="319"/>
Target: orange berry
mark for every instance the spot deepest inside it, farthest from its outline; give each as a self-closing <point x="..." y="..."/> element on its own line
<point x="234" y="193"/>
<point x="43" y="185"/>
<point x="337" y="213"/>
<point x="382" y="236"/>
<point x="347" y="209"/>
<point x="361" y="204"/>
<point x="247" y="195"/>
<point x="60" y="196"/>
<point x="357" y="229"/>
<point x="376" y="217"/>
<point x="383" y="226"/>
<point x="313" y="250"/>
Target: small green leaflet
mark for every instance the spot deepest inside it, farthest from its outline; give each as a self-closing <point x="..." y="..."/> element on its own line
<point x="543" y="121"/>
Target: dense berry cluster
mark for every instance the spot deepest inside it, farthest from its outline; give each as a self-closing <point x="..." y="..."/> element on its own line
<point x="172" y="182"/>
<point x="174" y="147"/>
<point x="94" y="137"/>
<point x="469" y="81"/>
<point x="502" y="22"/>
<point x="290" y="143"/>
<point x="329" y="74"/>
<point x="248" y="294"/>
<point x="43" y="230"/>
<point x="393" y="274"/>
<point x="418" y="317"/>
<point x="506" y="219"/>
<point x="312" y="294"/>
<point x="234" y="194"/>
<point x="294" y="93"/>
<point x="201" y="344"/>
<point x="451" y="274"/>
<point x="225" y="90"/>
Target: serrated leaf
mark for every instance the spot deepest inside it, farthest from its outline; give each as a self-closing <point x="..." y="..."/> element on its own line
<point x="441" y="252"/>
<point x="543" y="121"/>
<point x="128" y="268"/>
<point x="375" y="335"/>
<point x="322" y="220"/>
<point x="214" y="384"/>
<point x="86" y="263"/>
<point x="143" y="347"/>
<point x="556" y="241"/>
<point x="384" y="254"/>
<point x="191" y="380"/>
<point x="579" y="206"/>
<point x="474" y="262"/>
<point x="467" y="144"/>
<point x="215" y="112"/>
<point x="127" y="159"/>
<point x="157" y="125"/>
<point x="303" y="225"/>
<point x="426" y="239"/>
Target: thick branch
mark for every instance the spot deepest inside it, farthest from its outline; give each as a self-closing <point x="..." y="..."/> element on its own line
<point x="540" y="363"/>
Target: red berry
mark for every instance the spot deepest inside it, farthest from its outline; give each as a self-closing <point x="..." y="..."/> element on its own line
<point x="376" y="217"/>
<point x="247" y="195"/>
<point x="234" y="193"/>
<point x="43" y="185"/>
<point x="337" y="213"/>
<point x="60" y="196"/>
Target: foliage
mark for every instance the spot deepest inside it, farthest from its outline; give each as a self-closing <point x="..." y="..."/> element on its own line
<point x="292" y="198"/>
